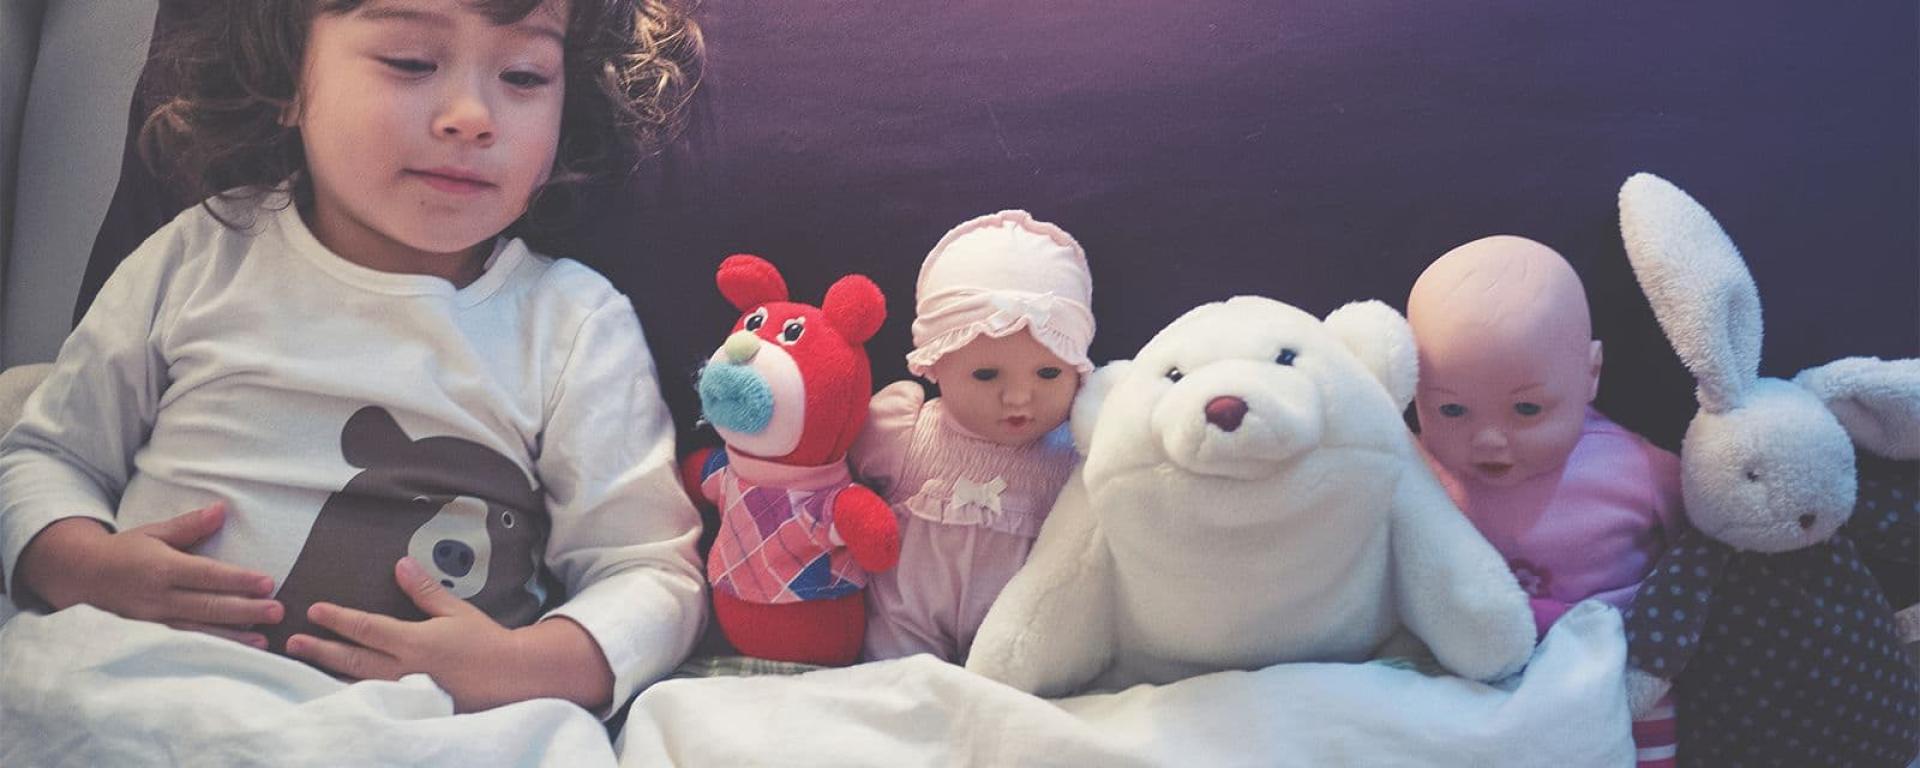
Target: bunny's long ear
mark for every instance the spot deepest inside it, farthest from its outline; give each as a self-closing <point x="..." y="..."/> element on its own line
<point x="1877" y="401"/>
<point x="1699" y="287"/>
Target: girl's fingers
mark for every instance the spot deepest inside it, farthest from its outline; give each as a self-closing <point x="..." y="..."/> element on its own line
<point x="223" y="610"/>
<point x="205" y="574"/>
<point x="373" y="630"/>
<point x="354" y="661"/>
<point x="426" y="592"/>
<point x="254" y="639"/>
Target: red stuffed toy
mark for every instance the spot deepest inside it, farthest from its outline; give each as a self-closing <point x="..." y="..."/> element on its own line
<point x="788" y="392"/>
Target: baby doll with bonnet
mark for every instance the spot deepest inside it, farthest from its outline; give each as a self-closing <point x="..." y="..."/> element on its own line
<point x="1580" y="507"/>
<point x="1003" y="319"/>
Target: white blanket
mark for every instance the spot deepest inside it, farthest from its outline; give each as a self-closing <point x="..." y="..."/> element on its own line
<point x="1568" y="710"/>
<point x="83" y="688"/>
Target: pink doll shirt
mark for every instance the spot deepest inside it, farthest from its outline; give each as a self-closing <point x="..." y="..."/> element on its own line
<point x="1593" y="530"/>
<point x="776" y="542"/>
<point x="969" y="510"/>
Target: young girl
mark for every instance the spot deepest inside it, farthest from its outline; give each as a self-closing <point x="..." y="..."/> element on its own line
<point x="316" y="412"/>
<point x="1580" y="507"/>
<point x="1003" y="319"/>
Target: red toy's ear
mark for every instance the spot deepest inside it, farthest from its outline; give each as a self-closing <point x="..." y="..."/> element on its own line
<point x="855" y="307"/>
<point x="749" y="281"/>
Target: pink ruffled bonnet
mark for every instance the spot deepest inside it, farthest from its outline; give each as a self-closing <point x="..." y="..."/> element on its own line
<point x="998" y="274"/>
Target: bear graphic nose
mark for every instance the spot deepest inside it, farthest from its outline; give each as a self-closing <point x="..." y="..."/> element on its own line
<point x="1226" y="412"/>
<point x="453" y="558"/>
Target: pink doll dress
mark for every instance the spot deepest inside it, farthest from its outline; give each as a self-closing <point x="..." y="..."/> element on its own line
<point x="969" y="510"/>
<point x="1594" y="530"/>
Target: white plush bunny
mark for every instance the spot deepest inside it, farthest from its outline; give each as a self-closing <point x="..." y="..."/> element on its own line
<point x="1781" y="643"/>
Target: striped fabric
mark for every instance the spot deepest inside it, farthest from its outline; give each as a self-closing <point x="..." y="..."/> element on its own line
<point x="1653" y="736"/>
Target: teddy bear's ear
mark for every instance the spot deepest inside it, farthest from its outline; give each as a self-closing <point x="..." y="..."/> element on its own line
<point x="1877" y="401"/>
<point x="749" y="281"/>
<point x="856" y="308"/>
<point x="1383" y="341"/>
<point x="372" y="437"/>
<point x="1093" y="394"/>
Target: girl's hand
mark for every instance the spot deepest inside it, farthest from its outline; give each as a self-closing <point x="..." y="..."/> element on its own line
<point x="145" y="574"/>
<point x="469" y="655"/>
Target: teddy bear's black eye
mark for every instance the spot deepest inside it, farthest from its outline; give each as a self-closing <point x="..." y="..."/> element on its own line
<point x="792" y="331"/>
<point x="757" y="319"/>
<point x="1174" y="375"/>
<point x="1285" y="357"/>
<point x="1752" y="476"/>
<point x="506" y="519"/>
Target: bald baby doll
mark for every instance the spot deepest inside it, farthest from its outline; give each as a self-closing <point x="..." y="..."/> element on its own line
<point x="1579" y="506"/>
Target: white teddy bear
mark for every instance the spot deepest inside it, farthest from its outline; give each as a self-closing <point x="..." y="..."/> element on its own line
<point x="1251" y="496"/>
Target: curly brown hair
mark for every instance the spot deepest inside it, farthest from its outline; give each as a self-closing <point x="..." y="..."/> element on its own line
<point x="225" y="79"/>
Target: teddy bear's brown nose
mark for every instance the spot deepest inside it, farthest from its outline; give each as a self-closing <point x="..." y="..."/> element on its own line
<point x="1226" y="412"/>
<point x="1806" y="522"/>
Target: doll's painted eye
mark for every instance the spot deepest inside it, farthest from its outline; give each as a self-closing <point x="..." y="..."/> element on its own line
<point x="986" y="374"/>
<point x="1453" y="410"/>
<point x="1174" y="375"/>
<point x="757" y="319"/>
<point x="1049" y="373"/>
<point x="792" y="331"/>
<point x="1527" y="409"/>
<point x="1286" y="357"/>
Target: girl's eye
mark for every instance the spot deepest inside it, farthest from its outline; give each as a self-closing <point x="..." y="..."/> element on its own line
<point x="408" y="66"/>
<point x="1453" y="410"/>
<point x="1050" y="373"/>
<point x="986" y="374"/>
<point x="792" y="331"/>
<point x="525" y="79"/>
<point x="1174" y="375"/>
<point x="1527" y="409"/>
<point x="1286" y="357"/>
<point x="757" y="319"/>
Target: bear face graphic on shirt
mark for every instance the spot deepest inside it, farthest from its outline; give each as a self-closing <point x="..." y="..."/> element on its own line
<point x="466" y="513"/>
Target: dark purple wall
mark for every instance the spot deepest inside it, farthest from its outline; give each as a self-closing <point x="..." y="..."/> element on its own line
<point x="1314" y="152"/>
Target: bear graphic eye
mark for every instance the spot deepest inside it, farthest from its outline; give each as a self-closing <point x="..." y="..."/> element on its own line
<point x="506" y="519"/>
<point x="792" y="331"/>
<point x="757" y="319"/>
<point x="1286" y="357"/>
<point x="1174" y="375"/>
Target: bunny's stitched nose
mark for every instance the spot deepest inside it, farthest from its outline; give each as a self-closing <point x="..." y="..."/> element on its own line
<point x="1806" y="522"/>
<point x="1226" y="412"/>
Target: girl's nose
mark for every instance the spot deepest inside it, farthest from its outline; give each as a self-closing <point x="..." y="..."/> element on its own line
<point x="1015" y="394"/>
<point x="466" y="116"/>
<point x="1489" y="439"/>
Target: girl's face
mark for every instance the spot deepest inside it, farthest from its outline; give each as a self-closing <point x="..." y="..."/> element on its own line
<point x="427" y="129"/>
<point x="1010" y="390"/>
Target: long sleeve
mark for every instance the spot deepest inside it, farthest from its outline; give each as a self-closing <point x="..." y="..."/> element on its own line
<point x="71" y="454"/>
<point x="623" y="529"/>
<point x="880" y="453"/>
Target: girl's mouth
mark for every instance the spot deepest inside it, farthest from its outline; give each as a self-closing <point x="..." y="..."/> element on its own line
<point x="1017" y="421"/>
<point x="451" y="181"/>
<point x="1493" y="469"/>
